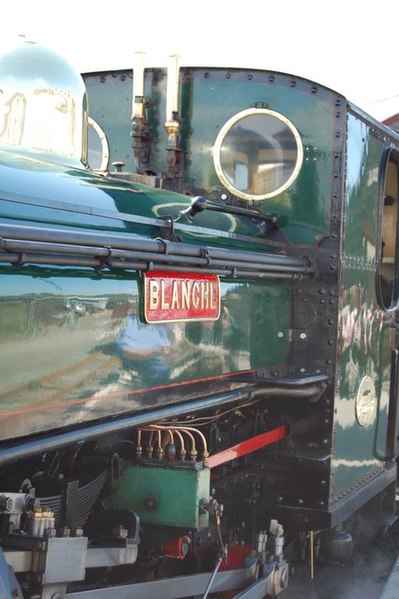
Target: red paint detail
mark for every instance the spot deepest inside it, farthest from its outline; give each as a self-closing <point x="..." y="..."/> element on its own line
<point x="177" y="548"/>
<point x="248" y="446"/>
<point x="236" y="555"/>
<point x="178" y="296"/>
<point x="392" y="119"/>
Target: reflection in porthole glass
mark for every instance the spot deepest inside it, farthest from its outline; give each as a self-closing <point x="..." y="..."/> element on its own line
<point x="257" y="154"/>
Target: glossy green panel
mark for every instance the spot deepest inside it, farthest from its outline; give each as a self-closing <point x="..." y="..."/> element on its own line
<point x="211" y="97"/>
<point x="362" y="206"/>
<point x="75" y="344"/>
<point x="35" y="191"/>
<point x="365" y="343"/>
<point x="216" y="98"/>
<point x="361" y="355"/>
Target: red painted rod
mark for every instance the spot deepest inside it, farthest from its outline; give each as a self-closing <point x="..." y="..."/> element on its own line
<point x="248" y="446"/>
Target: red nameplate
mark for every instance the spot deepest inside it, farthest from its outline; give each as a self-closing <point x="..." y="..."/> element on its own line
<point x="175" y="296"/>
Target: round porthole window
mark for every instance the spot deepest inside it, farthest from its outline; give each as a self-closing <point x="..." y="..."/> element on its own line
<point x="257" y="154"/>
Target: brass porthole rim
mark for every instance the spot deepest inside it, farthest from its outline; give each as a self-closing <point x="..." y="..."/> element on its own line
<point x="104" y="144"/>
<point x="216" y="151"/>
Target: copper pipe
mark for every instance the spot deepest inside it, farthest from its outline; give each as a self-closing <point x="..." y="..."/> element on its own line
<point x="181" y="429"/>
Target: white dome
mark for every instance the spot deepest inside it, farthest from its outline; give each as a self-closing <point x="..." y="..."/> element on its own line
<point x="43" y="106"/>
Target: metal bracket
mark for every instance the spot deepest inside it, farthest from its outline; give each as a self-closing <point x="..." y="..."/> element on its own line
<point x="168" y="232"/>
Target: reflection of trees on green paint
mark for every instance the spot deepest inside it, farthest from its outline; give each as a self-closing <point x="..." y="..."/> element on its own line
<point x="363" y="160"/>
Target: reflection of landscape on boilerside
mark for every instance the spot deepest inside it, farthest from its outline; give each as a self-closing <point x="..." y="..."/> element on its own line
<point x="88" y="351"/>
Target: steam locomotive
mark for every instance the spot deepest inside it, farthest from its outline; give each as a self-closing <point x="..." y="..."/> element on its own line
<point x="199" y="355"/>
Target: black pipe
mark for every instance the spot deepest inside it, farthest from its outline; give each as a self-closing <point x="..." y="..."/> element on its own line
<point x="60" y="247"/>
<point x="63" y="236"/>
<point x="76" y="261"/>
<point x="306" y="387"/>
<point x="51" y="251"/>
<point x="110" y="254"/>
<point x="29" y="447"/>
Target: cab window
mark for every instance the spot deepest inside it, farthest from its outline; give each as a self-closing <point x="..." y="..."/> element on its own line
<point x="388" y="284"/>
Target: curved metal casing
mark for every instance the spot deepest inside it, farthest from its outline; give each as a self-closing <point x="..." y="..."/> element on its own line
<point x="43" y="104"/>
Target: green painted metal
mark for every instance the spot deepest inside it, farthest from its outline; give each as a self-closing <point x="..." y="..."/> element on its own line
<point x="67" y="332"/>
<point x="170" y="496"/>
<point x="73" y="335"/>
<point x="365" y="342"/>
<point x="208" y="99"/>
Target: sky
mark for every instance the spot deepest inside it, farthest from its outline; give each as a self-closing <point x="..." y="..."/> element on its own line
<point x="348" y="45"/>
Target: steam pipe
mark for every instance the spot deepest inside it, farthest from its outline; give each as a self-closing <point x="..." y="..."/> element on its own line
<point x="32" y="245"/>
<point x="26" y="448"/>
<point x="306" y="387"/>
<point x="112" y="254"/>
<point x="138" y="86"/>
<point x="22" y="233"/>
